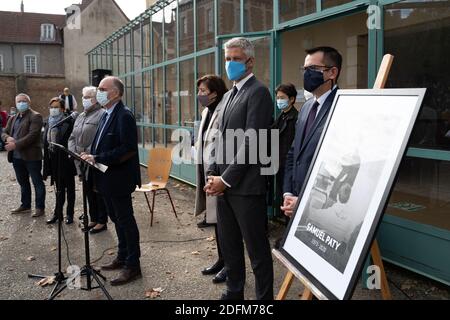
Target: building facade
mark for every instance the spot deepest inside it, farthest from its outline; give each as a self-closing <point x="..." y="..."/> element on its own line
<point x="31" y="56"/>
<point x="160" y="54"/>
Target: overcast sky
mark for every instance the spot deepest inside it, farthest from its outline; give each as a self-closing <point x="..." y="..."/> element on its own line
<point x="132" y="8"/>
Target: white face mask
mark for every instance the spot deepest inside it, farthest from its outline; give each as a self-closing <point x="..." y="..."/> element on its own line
<point x="54" y="112"/>
<point x="102" y="98"/>
<point x="87" y="103"/>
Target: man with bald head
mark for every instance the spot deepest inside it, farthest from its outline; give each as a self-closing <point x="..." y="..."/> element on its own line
<point x="69" y="101"/>
<point x="115" y="145"/>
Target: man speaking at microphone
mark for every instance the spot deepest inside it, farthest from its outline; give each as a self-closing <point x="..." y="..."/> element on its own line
<point x="115" y="145"/>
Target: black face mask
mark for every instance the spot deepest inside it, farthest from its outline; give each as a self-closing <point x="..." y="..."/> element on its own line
<point x="312" y="80"/>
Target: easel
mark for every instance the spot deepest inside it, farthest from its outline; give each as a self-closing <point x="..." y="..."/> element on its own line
<point x="309" y="292"/>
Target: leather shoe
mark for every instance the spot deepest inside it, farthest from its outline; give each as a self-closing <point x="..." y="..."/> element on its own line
<point x="221" y="277"/>
<point x="52" y="220"/>
<point x="116" y="264"/>
<point x="232" y="296"/>
<point x="20" y="210"/>
<point x="216" y="267"/>
<point x="38" y="213"/>
<point x="127" y="275"/>
<point x="95" y="231"/>
<point x="204" y="224"/>
<point x="69" y="220"/>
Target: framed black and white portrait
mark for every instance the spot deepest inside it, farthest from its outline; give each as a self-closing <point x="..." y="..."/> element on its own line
<point x="348" y="186"/>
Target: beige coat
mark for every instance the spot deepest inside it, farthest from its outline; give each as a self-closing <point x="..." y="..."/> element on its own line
<point x="202" y="202"/>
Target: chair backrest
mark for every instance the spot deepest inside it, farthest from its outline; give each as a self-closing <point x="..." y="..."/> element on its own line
<point x="159" y="166"/>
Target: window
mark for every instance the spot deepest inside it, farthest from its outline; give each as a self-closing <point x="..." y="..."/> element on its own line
<point x="184" y="25"/>
<point x="30" y="64"/>
<point x="1" y="63"/>
<point x="210" y="20"/>
<point x="47" y="32"/>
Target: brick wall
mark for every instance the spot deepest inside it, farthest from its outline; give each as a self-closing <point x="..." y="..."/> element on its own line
<point x="41" y="88"/>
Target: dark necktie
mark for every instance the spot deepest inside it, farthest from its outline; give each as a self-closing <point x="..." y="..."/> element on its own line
<point x="101" y="126"/>
<point x="230" y="101"/>
<point x="311" y="117"/>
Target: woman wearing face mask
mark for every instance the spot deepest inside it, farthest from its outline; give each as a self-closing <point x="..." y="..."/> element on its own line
<point x="285" y="123"/>
<point x="80" y="141"/>
<point x="211" y="90"/>
<point x="57" y="164"/>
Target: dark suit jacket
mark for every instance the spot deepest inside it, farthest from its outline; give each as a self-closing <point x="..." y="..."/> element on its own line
<point x="286" y="124"/>
<point x="28" y="143"/>
<point x="118" y="149"/>
<point x="300" y="155"/>
<point x="252" y="108"/>
<point x="51" y="156"/>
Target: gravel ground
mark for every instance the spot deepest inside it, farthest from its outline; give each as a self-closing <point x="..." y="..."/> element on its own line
<point x="173" y="253"/>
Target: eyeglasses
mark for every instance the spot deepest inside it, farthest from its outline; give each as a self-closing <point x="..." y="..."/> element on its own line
<point x="316" y="68"/>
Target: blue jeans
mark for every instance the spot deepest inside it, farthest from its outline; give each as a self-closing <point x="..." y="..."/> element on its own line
<point x="24" y="170"/>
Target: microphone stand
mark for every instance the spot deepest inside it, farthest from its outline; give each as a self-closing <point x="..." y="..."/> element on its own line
<point x="88" y="271"/>
<point x="59" y="277"/>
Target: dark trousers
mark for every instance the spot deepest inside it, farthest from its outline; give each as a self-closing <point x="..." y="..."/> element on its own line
<point x="97" y="207"/>
<point x="120" y="210"/>
<point x="66" y="186"/>
<point x="244" y="218"/>
<point x="219" y="249"/>
<point x="24" y="170"/>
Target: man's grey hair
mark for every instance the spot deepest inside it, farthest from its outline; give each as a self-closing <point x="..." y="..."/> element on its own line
<point x="24" y="95"/>
<point x="89" y="91"/>
<point x="242" y="43"/>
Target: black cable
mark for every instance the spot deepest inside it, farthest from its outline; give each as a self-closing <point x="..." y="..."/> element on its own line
<point x="67" y="245"/>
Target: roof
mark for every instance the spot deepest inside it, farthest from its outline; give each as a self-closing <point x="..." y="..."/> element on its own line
<point x="25" y="27"/>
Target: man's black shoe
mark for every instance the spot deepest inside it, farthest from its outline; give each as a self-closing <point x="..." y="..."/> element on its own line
<point x="221" y="277"/>
<point x="52" y="220"/>
<point x="204" y="224"/>
<point x="216" y="267"/>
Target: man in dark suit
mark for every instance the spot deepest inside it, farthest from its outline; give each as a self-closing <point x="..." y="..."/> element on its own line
<point x="321" y="72"/>
<point x="239" y="185"/>
<point x="115" y="145"/>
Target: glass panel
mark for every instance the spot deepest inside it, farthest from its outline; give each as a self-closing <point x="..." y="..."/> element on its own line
<point x="157" y="20"/>
<point x="332" y="3"/>
<point x="140" y="137"/>
<point x="121" y="67"/>
<point x="147" y="44"/>
<point x="262" y="59"/>
<point x="158" y="95"/>
<point x="148" y="98"/>
<point x="187" y="93"/>
<point x="186" y="27"/>
<point x="422" y="192"/>
<point x="170" y="26"/>
<point x="205" y="65"/>
<point x="349" y="37"/>
<point x="258" y="15"/>
<point x="137" y="97"/>
<point x="229" y="16"/>
<point x="115" y="70"/>
<point x="205" y="24"/>
<point x="159" y="138"/>
<point x="137" y="48"/>
<point x="291" y="9"/>
<point x="416" y="33"/>
<point x="148" y="138"/>
<point x="171" y="94"/>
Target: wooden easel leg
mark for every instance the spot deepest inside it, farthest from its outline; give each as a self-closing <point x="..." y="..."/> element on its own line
<point x="376" y="258"/>
<point x="306" y="295"/>
<point x="285" y="286"/>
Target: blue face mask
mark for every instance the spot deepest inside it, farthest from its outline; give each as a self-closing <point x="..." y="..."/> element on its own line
<point x="22" y="106"/>
<point x="282" y="104"/>
<point x="235" y="69"/>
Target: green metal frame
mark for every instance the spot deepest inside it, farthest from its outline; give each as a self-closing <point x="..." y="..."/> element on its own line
<point x="391" y="224"/>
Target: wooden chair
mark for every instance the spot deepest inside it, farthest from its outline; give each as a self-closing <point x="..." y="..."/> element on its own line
<point x="158" y="171"/>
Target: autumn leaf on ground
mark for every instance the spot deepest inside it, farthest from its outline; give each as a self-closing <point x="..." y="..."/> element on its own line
<point x="154" y="293"/>
<point x="2" y="238"/>
<point x="111" y="252"/>
<point x="195" y="253"/>
<point x="31" y="258"/>
<point x="53" y="249"/>
<point x="46" y="281"/>
<point x="210" y="239"/>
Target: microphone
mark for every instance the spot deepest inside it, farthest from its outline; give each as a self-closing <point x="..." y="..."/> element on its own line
<point x="73" y="116"/>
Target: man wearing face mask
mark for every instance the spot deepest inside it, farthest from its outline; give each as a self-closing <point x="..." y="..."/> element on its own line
<point x="321" y="71"/>
<point x="115" y="145"/>
<point x="241" y="187"/>
<point x="57" y="164"/>
<point x="80" y="141"/>
<point x="23" y="143"/>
